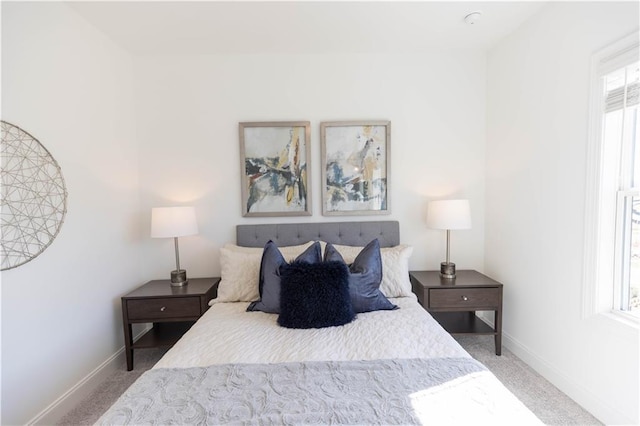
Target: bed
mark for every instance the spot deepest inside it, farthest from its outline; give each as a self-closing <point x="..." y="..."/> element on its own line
<point x="391" y="366"/>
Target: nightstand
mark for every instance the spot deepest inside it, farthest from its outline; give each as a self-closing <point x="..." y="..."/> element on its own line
<point x="172" y="310"/>
<point x="454" y="302"/>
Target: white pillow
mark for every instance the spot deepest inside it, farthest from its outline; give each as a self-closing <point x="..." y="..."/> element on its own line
<point x="395" y="268"/>
<point x="240" y="270"/>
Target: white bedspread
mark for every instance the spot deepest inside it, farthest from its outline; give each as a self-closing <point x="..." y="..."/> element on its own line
<point x="385" y="367"/>
<point x="227" y="334"/>
<point x="229" y="338"/>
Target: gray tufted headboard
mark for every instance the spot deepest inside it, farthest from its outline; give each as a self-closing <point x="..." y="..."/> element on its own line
<point x="345" y="233"/>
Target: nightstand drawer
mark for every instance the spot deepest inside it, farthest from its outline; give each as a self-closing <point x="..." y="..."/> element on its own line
<point x="152" y="309"/>
<point x="474" y="298"/>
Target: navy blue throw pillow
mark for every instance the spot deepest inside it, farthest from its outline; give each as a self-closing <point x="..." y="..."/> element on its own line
<point x="315" y="295"/>
<point x="269" y="282"/>
<point x="365" y="275"/>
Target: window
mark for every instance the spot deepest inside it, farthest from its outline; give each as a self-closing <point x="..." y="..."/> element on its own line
<point x="620" y="134"/>
<point x="612" y="244"/>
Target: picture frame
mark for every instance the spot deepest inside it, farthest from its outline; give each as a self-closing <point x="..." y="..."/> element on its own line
<point x="274" y="161"/>
<point x="356" y="161"/>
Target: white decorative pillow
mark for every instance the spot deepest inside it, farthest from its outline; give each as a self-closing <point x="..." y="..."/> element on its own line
<point x="395" y="268"/>
<point x="240" y="270"/>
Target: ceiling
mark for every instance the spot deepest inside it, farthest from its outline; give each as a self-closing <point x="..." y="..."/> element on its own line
<point x="210" y="27"/>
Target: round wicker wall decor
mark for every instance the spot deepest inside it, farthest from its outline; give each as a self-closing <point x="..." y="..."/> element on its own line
<point x="34" y="197"/>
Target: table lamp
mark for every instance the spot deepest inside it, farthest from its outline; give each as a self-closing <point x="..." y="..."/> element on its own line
<point x="448" y="214"/>
<point x="174" y="222"/>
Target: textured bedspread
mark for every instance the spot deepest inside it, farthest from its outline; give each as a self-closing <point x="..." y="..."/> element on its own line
<point x="400" y="391"/>
<point x="228" y="334"/>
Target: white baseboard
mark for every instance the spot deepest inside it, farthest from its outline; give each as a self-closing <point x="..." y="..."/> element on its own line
<point x="68" y="401"/>
<point x="573" y="390"/>
<point x="603" y="412"/>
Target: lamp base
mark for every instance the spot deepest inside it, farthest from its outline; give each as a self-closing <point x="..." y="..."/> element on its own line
<point x="179" y="278"/>
<point x="448" y="270"/>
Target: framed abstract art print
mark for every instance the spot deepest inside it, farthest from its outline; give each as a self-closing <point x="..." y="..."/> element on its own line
<point x="355" y="167"/>
<point x="274" y="160"/>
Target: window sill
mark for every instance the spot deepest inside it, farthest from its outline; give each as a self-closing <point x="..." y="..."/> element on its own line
<point x="623" y="318"/>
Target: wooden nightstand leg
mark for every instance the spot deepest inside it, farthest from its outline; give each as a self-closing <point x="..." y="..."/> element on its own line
<point x="128" y="337"/>
<point x="498" y="323"/>
<point x="128" y="350"/>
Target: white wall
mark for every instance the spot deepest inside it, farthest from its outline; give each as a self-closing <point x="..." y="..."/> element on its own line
<point x="84" y="98"/>
<point x="98" y="111"/>
<point x="538" y="83"/>
<point x="71" y="88"/>
<point x="189" y="108"/>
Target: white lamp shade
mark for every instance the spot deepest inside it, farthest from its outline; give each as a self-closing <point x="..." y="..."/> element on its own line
<point x="449" y="214"/>
<point x="173" y="222"/>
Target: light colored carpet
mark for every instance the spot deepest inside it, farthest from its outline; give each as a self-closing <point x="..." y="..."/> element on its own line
<point x="97" y="402"/>
<point x="545" y="400"/>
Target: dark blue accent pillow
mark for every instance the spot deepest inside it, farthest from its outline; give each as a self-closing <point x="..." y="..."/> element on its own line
<point x="315" y="295"/>
<point x="269" y="281"/>
<point x="365" y="275"/>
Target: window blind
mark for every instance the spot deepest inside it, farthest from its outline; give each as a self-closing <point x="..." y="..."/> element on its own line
<point x="626" y="96"/>
<point x="622" y="83"/>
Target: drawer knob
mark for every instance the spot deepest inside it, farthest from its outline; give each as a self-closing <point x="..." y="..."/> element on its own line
<point x="163" y="308"/>
<point x="465" y="298"/>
